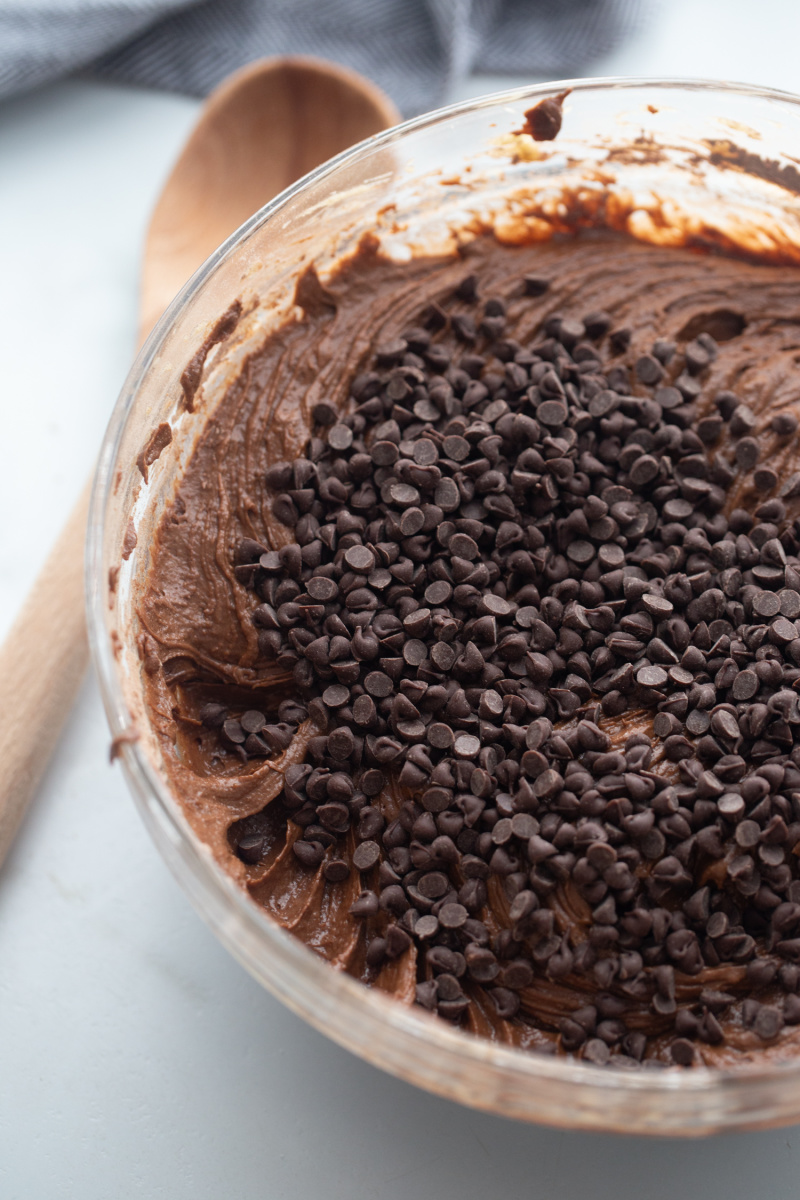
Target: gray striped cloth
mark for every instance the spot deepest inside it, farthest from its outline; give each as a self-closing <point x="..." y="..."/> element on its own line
<point x="414" y="49"/>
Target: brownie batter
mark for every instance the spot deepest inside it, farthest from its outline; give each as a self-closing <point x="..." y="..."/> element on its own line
<point x="201" y="646"/>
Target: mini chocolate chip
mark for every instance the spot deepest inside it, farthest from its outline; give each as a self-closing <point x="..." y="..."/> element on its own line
<point x="649" y="370"/>
<point x="452" y="916"/>
<point x="377" y="684"/>
<point x="233" y="732"/>
<point x="336" y="695"/>
<point x="310" y="854"/>
<point x="466" y="745"/>
<point x="742" y="421"/>
<point x="213" y="715"/>
<point x="438" y="593"/>
<point x="768" y="1022"/>
<point x="340" y="437"/>
<point x="765" y="479"/>
<point x="596" y="1051"/>
<point x="252" y="721"/>
<point x="366" y="905"/>
<point x="651" y="676"/>
<point x="359" y="559"/>
<point x="250" y="848"/>
<point x="535" y="285"/>
<point x="366" y="855"/>
<point x="440" y="736"/>
<point x="336" y="871"/>
<point x="784" y="424"/>
<point x="552" y="413"/>
<point x="682" y="1052"/>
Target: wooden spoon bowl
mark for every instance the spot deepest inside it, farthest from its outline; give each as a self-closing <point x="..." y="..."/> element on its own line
<point x="263" y="128"/>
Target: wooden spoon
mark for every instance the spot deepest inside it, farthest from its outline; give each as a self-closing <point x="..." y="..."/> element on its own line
<point x="263" y="127"/>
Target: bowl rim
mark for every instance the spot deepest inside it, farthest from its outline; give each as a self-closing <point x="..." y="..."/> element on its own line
<point x="214" y="893"/>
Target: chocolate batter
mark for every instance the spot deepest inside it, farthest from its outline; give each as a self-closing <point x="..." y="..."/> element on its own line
<point x="198" y="639"/>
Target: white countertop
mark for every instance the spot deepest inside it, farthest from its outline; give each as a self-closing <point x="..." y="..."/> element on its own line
<point x="137" y="1058"/>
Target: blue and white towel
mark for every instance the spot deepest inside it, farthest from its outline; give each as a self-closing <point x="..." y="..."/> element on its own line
<point x="414" y="49"/>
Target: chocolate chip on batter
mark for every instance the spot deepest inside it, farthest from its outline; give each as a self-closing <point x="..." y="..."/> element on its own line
<point x="233" y="732"/>
<point x="784" y="424"/>
<point x="742" y="421"/>
<point x="649" y="370"/>
<point x="336" y="871"/>
<point x="765" y="479"/>
<point x="252" y="721"/>
<point x="213" y="715"/>
<point x="366" y="855"/>
<point x="768" y="1022"/>
<point x="310" y="854"/>
<point x="682" y="1052"/>
<point x="596" y="1051"/>
<point x="747" y="453"/>
<point x="324" y="414"/>
<point x="366" y="905"/>
<point x="250" y="848"/>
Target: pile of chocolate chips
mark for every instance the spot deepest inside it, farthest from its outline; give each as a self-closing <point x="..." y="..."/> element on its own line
<point x="496" y="549"/>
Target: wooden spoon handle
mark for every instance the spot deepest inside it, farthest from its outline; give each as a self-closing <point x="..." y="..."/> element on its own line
<point x="42" y="663"/>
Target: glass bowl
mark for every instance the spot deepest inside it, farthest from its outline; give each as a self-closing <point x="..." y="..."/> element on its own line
<point x="717" y="160"/>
